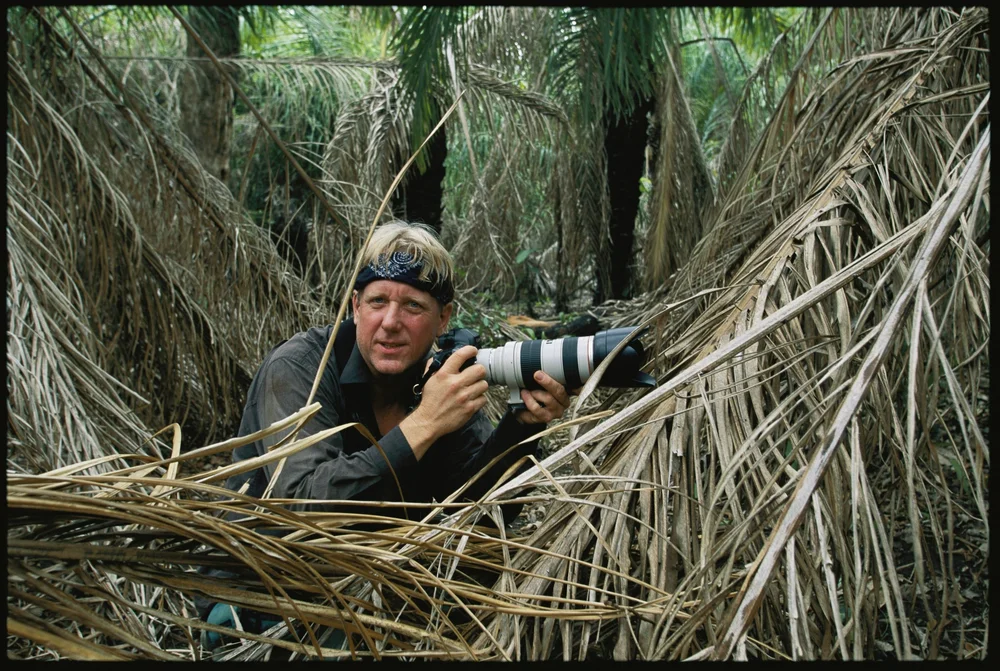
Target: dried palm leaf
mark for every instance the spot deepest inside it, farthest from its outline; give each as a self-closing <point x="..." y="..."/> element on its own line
<point x="822" y="380"/>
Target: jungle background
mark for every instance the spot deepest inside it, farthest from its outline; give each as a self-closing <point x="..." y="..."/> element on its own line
<point x="793" y="202"/>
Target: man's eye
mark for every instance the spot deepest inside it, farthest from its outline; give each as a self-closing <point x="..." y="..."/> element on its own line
<point x="415" y="305"/>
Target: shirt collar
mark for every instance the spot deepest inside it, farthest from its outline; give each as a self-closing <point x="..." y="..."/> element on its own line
<point x="356" y="370"/>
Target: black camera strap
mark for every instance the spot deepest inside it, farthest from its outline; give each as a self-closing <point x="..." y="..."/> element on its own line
<point x="418" y="388"/>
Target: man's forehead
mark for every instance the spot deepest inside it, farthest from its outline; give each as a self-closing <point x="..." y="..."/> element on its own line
<point x="393" y="288"/>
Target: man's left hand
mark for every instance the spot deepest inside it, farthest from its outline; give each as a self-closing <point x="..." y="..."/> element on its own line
<point x="545" y="404"/>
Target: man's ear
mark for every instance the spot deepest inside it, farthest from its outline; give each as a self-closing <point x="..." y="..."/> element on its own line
<point x="445" y="317"/>
<point x="354" y="302"/>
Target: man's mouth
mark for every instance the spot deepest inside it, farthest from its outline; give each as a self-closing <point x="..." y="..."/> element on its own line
<point x="391" y="347"/>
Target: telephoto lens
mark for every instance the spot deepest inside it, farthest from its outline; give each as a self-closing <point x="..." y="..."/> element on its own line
<point x="570" y="361"/>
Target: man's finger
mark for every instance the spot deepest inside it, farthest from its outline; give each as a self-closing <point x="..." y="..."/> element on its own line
<point x="552" y="386"/>
<point x="547" y="407"/>
<point x="531" y="403"/>
<point x="458" y="359"/>
<point x="475" y="373"/>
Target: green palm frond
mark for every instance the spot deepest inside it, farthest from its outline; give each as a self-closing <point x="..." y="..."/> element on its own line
<point x="123" y="29"/>
<point x="753" y="26"/>
<point x="606" y="57"/>
<point x="296" y="32"/>
<point x="418" y="45"/>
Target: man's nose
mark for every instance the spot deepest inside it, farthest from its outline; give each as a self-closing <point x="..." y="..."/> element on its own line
<point x="390" y="320"/>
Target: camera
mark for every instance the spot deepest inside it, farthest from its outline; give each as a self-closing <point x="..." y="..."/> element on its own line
<point x="571" y="361"/>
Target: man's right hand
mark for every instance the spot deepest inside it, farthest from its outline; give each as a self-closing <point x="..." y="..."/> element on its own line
<point x="450" y="398"/>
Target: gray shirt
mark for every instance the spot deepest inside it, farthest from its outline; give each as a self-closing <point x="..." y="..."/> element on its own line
<point x="346" y="466"/>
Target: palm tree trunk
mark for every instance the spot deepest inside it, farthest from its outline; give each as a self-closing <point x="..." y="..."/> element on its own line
<point x="206" y="97"/>
<point x="422" y="193"/>
<point x="625" y="146"/>
<point x="562" y="295"/>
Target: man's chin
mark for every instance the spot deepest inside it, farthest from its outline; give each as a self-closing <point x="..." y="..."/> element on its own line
<point x="390" y="368"/>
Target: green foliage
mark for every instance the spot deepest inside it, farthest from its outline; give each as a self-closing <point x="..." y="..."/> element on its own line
<point x="739" y="36"/>
<point x="712" y="94"/>
<point x="605" y="58"/>
<point x="301" y="102"/>
<point x="337" y="32"/>
<point x="753" y="28"/>
<point x="479" y="314"/>
<point x="419" y="47"/>
<point x="125" y="30"/>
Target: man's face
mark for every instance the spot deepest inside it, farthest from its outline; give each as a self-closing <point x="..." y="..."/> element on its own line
<point x="396" y="325"/>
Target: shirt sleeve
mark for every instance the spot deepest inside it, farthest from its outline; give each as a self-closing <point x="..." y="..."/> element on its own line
<point x="325" y="470"/>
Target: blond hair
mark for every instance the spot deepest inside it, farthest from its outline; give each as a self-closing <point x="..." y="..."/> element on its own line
<point x="419" y="241"/>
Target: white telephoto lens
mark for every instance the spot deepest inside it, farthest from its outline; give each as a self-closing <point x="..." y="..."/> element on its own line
<point x="585" y="357"/>
<point x="552" y="360"/>
<point x="510" y="365"/>
<point x="485" y="359"/>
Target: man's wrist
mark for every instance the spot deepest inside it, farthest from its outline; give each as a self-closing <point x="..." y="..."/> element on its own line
<point x="418" y="433"/>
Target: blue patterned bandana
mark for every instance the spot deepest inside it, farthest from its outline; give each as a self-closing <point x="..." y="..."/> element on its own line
<point x="401" y="267"/>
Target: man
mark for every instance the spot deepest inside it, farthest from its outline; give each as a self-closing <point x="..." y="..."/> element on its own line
<point x="402" y="302"/>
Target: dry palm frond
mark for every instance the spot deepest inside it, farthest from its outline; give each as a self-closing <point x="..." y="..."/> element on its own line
<point x="372" y="135"/>
<point x="55" y="389"/>
<point x="522" y="139"/>
<point x="482" y="81"/>
<point x="683" y="191"/>
<point x="569" y="255"/>
<point x="155" y="280"/>
<point x="807" y="340"/>
<point x="506" y="127"/>
<point x="816" y="425"/>
<point x="757" y="102"/>
<point x="303" y="98"/>
<point x="361" y="579"/>
<point x="284" y="89"/>
<point x="369" y="140"/>
<point x="485" y="230"/>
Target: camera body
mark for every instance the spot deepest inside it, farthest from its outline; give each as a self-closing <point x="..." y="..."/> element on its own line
<point x="570" y="361"/>
<point x="452" y="341"/>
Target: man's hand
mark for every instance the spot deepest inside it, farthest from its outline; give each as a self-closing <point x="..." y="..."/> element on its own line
<point x="543" y="405"/>
<point x="450" y="398"/>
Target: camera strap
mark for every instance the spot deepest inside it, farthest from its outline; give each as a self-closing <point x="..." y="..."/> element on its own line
<point x="418" y="388"/>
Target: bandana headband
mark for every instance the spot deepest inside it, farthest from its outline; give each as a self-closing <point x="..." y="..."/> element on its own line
<point x="401" y="267"/>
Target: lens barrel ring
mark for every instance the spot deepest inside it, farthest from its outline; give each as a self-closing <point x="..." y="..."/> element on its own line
<point x="531" y="360"/>
<point x="571" y="366"/>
